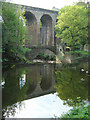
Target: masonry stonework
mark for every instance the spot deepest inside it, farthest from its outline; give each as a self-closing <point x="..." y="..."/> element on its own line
<point x="40" y="35"/>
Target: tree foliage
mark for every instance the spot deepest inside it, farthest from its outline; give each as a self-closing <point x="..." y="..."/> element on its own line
<point x="72" y="26"/>
<point x="79" y="112"/>
<point x="13" y="31"/>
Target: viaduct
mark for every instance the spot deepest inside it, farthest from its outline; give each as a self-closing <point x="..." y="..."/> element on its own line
<point x="40" y="24"/>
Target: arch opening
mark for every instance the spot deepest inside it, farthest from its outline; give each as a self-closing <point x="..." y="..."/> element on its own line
<point x="46" y="30"/>
<point x="31" y="24"/>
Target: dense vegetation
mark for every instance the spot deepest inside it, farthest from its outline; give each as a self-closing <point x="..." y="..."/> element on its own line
<point x="13" y="33"/>
<point x="72" y="26"/>
<point x="46" y="57"/>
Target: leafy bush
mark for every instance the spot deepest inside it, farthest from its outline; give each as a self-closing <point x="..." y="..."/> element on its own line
<point x="45" y="56"/>
<point x="78" y="112"/>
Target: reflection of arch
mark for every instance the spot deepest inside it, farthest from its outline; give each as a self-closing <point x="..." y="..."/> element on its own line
<point x="31" y="83"/>
<point x="31" y="24"/>
<point x="32" y="78"/>
<point x="46" y="77"/>
<point x="46" y="30"/>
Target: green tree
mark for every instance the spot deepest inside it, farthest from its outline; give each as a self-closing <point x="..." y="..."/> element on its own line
<point x="72" y="26"/>
<point x="13" y="32"/>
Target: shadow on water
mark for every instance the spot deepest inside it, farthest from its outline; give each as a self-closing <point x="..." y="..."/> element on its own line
<point x="26" y="82"/>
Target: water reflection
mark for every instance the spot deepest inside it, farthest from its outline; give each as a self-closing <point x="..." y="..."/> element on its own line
<point x="32" y="77"/>
<point x="27" y="82"/>
<point x="47" y="76"/>
<point x="72" y="83"/>
<point x="35" y="80"/>
<point x="22" y="81"/>
<point x="12" y="91"/>
<point x="47" y="106"/>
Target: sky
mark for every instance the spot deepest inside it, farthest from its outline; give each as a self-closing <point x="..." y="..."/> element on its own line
<point x="46" y="4"/>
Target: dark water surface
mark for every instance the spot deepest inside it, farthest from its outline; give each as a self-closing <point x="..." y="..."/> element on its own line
<point x="43" y="90"/>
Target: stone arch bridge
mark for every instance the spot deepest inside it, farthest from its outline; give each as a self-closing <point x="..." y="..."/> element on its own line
<point x="40" y="24"/>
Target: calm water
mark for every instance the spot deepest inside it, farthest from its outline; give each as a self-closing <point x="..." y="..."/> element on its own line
<point x="43" y="90"/>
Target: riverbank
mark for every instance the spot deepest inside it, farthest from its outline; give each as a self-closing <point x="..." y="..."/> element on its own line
<point x="73" y="56"/>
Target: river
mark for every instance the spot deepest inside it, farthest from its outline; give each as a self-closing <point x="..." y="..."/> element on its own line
<point x="43" y="90"/>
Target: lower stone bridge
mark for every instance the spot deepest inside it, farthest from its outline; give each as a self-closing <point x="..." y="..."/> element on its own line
<point x="35" y="50"/>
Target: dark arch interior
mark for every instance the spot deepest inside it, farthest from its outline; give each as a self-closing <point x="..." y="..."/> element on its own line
<point x="30" y="17"/>
<point x="46" y="30"/>
<point x="31" y="24"/>
<point x="46" y="19"/>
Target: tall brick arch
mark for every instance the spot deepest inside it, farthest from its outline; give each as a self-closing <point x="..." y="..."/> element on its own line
<point x="31" y="23"/>
<point x="46" y="34"/>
